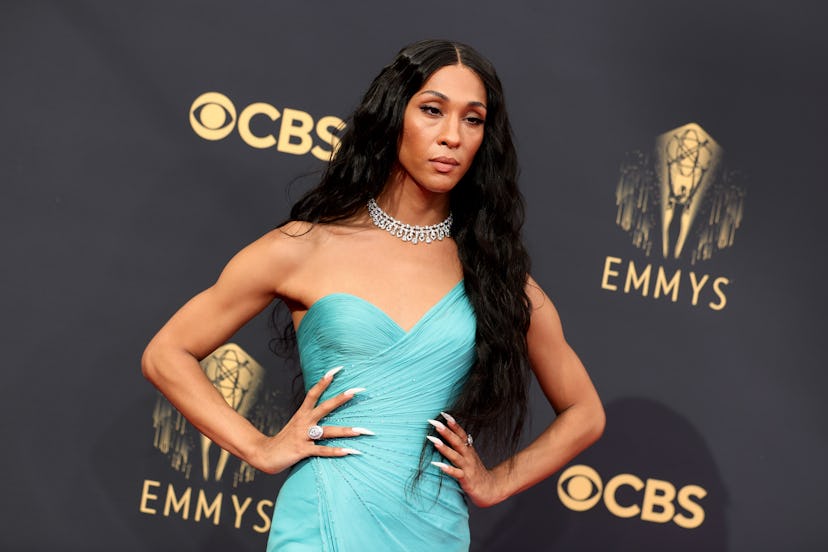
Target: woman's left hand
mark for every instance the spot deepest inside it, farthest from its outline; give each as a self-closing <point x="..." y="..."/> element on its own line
<point x="478" y="482"/>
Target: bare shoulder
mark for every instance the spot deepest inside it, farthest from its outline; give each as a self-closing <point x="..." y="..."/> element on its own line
<point x="545" y="323"/>
<point x="271" y="258"/>
<point x="296" y="256"/>
<point x="538" y="298"/>
<point x="282" y="251"/>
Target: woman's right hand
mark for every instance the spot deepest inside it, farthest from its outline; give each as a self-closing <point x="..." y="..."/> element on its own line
<point x="293" y="444"/>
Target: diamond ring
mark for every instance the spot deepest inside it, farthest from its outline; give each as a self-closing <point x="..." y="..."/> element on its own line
<point x="315" y="432"/>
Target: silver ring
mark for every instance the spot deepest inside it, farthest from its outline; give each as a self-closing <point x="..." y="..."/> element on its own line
<point x="469" y="440"/>
<point x="315" y="432"/>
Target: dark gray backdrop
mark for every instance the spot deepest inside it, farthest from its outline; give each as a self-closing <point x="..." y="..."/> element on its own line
<point x="116" y="212"/>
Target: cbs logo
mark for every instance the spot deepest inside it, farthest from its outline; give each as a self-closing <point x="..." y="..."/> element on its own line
<point x="213" y="117"/>
<point x="580" y="488"/>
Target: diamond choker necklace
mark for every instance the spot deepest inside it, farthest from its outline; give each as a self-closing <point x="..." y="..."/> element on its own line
<point x="406" y="232"/>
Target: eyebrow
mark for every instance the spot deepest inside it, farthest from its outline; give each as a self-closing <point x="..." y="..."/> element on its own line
<point x="444" y="97"/>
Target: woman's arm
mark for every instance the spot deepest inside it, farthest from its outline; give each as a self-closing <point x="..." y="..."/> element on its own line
<point x="245" y="287"/>
<point x="579" y="422"/>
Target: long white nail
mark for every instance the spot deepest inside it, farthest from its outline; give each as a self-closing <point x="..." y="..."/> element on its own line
<point x="362" y="431"/>
<point x="353" y="391"/>
<point x="440" y="465"/>
<point x="448" y="417"/>
<point x="332" y="372"/>
<point x="438" y="425"/>
<point x="434" y="440"/>
<point x="350" y="451"/>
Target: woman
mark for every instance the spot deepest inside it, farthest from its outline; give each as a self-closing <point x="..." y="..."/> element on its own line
<point x="439" y="319"/>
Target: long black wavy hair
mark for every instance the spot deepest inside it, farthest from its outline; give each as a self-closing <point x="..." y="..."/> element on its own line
<point x="488" y="215"/>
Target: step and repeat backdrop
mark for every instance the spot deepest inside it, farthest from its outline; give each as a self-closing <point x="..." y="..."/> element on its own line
<point x="673" y="164"/>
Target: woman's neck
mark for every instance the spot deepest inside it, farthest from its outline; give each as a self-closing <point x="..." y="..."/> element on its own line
<point x="407" y="202"/>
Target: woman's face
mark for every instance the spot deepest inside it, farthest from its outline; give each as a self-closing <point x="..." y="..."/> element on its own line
<point x="442" y="129"/>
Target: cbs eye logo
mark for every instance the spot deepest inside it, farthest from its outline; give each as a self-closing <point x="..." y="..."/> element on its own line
<point x="213" y="117"/>
<point x="581" y="488"/>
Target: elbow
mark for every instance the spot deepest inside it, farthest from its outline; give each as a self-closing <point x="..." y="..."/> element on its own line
<point x="164" y="363"/>
<point x="148" y="369"/>
<point x="150" y="365"/>
<point x="597" y="422"/>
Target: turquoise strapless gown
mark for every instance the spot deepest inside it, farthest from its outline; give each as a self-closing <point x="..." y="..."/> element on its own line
<point x="371" y="502"/>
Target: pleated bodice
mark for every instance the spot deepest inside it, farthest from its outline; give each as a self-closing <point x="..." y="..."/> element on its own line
<point x="372" y="501"/>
